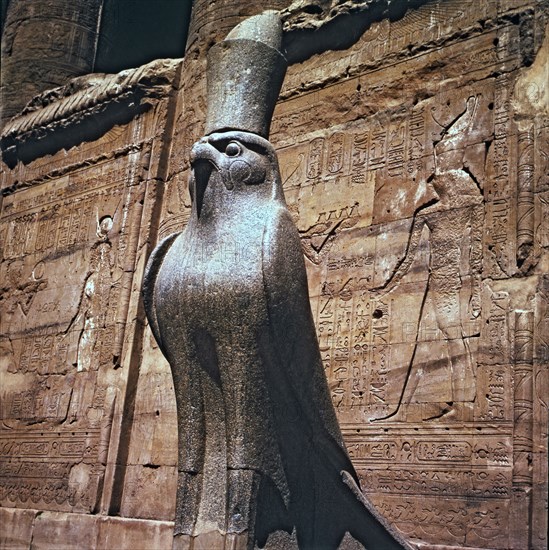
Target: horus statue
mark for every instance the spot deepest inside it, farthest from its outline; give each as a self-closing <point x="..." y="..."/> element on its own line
<point x="260" y="449"/>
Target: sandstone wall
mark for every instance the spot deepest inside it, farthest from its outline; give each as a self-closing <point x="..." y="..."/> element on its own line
<point x="44" y="43"/>
<point x="77" y="225"/>
<point x="414" y="152"/>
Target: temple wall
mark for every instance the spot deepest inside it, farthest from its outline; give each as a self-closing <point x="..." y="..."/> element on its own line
<point x="77" y="226"/>
<point x="44" y="43"/>
<point x="416" y="179"/>
<point x="415" y="159"/>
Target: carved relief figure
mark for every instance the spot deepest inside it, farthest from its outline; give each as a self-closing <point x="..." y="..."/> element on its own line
<point x="18" y="291"/>
<point x="91" y="316"/>
<point x="17" y="295"/>
<point x="454" y="223"/>
<point x="95" y="297"/>
<point x="260" y="448"/>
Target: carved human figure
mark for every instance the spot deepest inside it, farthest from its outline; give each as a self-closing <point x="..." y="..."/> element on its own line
<point x="91" y="316"/>
<point x="95" y="297"/>
<point x="17" y="295"/>
<point x="260" y="448"/>
<point x="455" y="224"/>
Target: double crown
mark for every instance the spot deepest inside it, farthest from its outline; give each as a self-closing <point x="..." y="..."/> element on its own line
<point x="245" y="74"/>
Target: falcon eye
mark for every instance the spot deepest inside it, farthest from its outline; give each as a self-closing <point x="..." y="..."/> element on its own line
<point x="232" y="149"/>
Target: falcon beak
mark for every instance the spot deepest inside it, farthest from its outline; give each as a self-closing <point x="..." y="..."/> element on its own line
<point x="202" y="165"/>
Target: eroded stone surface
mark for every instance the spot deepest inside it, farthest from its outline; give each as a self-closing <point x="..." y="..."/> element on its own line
<point x="71" y="228"/>
<point x="428" y="204"/>
<point x="43" y="45"/>
<point x="52" y="530"/>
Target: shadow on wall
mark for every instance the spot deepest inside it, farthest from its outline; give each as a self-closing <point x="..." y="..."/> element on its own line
<point x="134" y="32"/>
<point x="342" y="22"/>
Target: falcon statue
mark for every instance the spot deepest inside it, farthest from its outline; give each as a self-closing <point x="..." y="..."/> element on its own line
<point x="260" y="449"/>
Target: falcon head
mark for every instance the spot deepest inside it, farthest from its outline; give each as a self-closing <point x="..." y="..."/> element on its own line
<point x="233" y="161"/>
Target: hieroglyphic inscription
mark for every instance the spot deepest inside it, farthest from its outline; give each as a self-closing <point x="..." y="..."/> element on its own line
<point x="472" y="522"/>
<point x="447" y="463"/>
<point x="47" y="232"/>
<point x="35" y="468"/>
<point x="388" y="146"/>
<point x="354" y="337"/>
<point x="454" y="481"/>
<point x="525" y="195"/>
<point x="540" y="414"/>
<point x="523" y="426"/>
<point x="67" y="263"/>
<point x="379" y="152"/>
<point x="499" y="195"/>
<point x="430" y="22"/>
<point x="495" y="347"/>
<point x="416" y="303"/>
<point x="394" y="146"/>
<point x="363" y="160"/>
<point x="35" y="406"/>
<point x="488" y="450"/>
<point x="494" y="393"/>
<point x="314" y="158"/>
<point x="46" y="167"/>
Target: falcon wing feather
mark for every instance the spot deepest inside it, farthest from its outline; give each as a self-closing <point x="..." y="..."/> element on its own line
<point x="293" y="338"/>
<point x="149" y="283"/>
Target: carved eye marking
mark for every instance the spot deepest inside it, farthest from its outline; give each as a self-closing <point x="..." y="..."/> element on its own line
<point x="233" y="149"/>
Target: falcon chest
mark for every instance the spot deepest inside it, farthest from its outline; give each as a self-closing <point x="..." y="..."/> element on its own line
<point x="214" y="270"/>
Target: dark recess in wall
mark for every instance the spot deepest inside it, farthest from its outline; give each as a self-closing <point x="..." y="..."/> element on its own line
<point x="134" y="32"/>
<point x="3" y="11"/>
